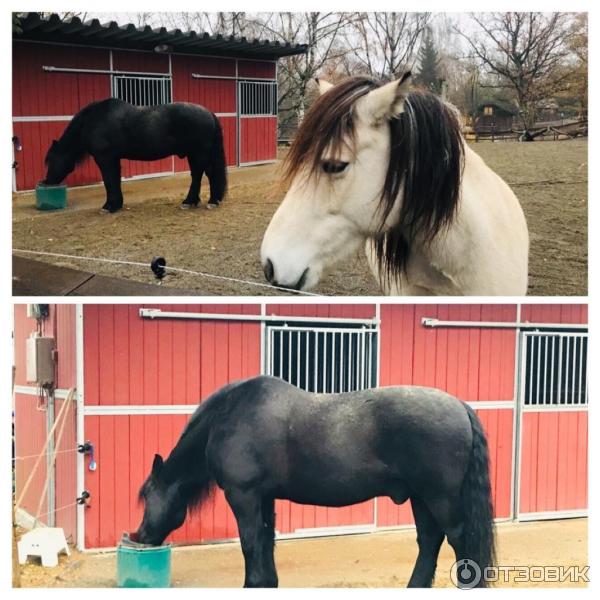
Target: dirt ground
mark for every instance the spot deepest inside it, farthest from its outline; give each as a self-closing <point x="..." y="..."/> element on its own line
<point x="382" y="559"/>
<point x="550" y="179"/>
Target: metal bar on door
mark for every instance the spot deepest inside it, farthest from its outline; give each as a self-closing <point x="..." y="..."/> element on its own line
<point x="537" y="389"/>
<point x="566" y="374"/>
<point x="342" y="362"/>
<point x="545" y="388"/>
<point x="529" y="354"/>
<point x="289" y="365"/>
<point x="572" y="394"/>
<point x="306" y="359"/>
<point x="581" y="341"/>
<point x="553" y="357"/>
<point x="316" y="370"/>
<point x="350" y="362"/>
<point x="280" y="354"/>
<point x="298" y="361"/>
<point x="324" y="362"/>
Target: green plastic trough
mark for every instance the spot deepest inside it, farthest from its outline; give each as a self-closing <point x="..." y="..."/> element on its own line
<point x="50" y="197"/>
<point x="142" y="566"/>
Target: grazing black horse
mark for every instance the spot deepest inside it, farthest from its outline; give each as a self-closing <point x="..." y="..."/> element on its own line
<point x="112" y="129"/>
<point x="263" y="439"/>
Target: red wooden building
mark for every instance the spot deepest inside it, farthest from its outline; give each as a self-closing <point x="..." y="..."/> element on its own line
<point x="61" y="66"/>
<point x="139" y="372"/>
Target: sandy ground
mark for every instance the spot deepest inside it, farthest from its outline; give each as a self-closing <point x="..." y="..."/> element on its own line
<point x="550" y="179"/>
<point x="370" y="560"/>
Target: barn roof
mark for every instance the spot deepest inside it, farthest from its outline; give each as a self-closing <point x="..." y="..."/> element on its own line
<point x="503" y="106"/>
<point x="112" y="35"/>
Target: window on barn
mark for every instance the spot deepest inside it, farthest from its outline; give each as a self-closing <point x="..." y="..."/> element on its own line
<point x="142" y="91"/>
<point x="555" y="369"/>
<point x="323" y="359"/>
<point x="488" y="111"/>
<point x="258" y="98"/>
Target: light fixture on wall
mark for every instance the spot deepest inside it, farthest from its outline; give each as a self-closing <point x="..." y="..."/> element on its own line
<point x="161" y="48"/>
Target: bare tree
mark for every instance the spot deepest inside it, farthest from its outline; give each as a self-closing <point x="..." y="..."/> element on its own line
<point x="385" y="44"/>
<point x="578" y="73"/>
<point x="525" y="52"/>
<point x="237" y="24"/>
<point x="321" y="32"/>
<point x="142" y="19"/>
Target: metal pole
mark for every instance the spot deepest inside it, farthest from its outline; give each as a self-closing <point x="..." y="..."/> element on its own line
<point x="79" y="355"/>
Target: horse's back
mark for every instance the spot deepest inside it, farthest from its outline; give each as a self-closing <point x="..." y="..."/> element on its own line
<point x="499" y="229"/>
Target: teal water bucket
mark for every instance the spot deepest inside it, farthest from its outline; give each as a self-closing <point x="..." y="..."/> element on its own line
<point x="50" y="197"/>
<point x="142" y="566"/>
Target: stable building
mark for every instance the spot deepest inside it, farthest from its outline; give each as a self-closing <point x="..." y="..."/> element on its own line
<point x="60" y="66"/>
<point x="139" y="371"/>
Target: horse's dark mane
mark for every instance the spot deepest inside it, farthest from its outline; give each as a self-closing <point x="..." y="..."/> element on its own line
<point x="185" y="463"/>
<point x="425" y="163"/>
<point x="70" y="141"/>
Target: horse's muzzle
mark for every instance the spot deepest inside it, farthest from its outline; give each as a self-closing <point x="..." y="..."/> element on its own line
<point x="269" y="271"/>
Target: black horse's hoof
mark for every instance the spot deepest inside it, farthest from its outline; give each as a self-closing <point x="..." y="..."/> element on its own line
<point x="188" y="205"/>
<point x="110" y="209"/>
<point x="212" y="205"/>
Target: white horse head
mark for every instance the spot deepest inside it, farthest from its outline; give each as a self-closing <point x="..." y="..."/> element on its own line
<point x="370" y="161"/>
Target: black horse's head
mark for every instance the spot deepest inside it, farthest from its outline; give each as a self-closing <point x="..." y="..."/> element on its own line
<point x="165" y="506"/>
<point x="59" y="162"/>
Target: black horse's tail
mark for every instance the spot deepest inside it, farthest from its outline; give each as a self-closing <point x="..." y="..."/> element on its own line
<point x="478" y="541"/>
<point x="217" y="167"/>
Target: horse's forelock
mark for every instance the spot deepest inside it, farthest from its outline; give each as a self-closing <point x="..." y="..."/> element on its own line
<point x="327" y="127"/>
<point x="426" y="163"/>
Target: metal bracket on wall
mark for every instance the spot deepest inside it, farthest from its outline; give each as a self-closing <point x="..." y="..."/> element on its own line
<point x="88" y="448"/>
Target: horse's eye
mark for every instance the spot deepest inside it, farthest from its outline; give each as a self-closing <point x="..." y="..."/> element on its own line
<point x="333" y="166"/>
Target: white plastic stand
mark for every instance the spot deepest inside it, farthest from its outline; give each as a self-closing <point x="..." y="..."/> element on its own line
<point x="45" y="542"/>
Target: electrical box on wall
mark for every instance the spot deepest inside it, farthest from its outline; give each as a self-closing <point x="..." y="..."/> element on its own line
<point x="40" y="360"/>
<point x="38" y="311"/>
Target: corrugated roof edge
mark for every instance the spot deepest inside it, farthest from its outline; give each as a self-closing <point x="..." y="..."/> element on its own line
<point x="95" y="33"/>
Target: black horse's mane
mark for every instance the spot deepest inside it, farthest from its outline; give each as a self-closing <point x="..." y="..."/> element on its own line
<point x="425" y="163"/>
<point x="184" y="463"/>
<point x="71" y="141"/>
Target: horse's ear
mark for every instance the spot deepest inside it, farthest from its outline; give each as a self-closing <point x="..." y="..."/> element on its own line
<point x="157" y="464"/>
<point x="324" y="86"/>
<point x="387" y="101"/>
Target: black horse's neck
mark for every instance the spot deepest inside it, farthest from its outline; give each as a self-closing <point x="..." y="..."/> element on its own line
<point x="187" y="467"/>
<point x="71" y="141"/>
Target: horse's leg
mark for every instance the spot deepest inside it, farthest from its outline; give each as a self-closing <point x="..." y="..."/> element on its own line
<point x="216" y="187"/>
<point x="247" y="506"/>
<point x="450" y="516"/>
<point x="197" y="170"/>
<point x="429" y="538"/>
<point x="111" y="176"/>
<point x="268" y="538"/>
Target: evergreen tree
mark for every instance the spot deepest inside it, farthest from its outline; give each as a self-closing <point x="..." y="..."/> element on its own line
<point x="429" y="63"/>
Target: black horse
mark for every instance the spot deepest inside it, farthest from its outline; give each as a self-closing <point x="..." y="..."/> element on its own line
<point x="111" y="129"/>
<point x="263" y="439"/>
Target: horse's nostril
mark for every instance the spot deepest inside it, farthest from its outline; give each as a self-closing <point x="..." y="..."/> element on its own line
<point x="300" y="283"/>
<point x="269" y="270"/>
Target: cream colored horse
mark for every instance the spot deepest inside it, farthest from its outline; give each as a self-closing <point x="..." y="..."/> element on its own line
<point x="383" y="166"/>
